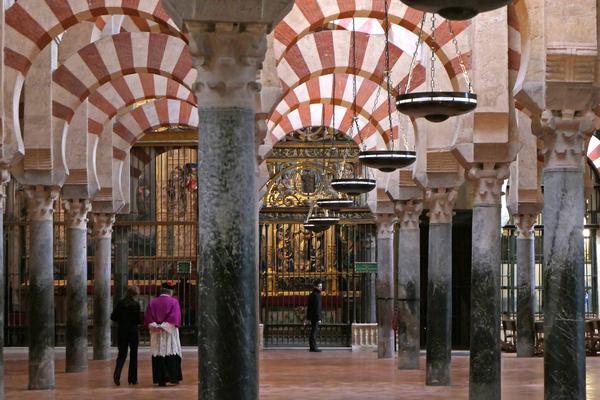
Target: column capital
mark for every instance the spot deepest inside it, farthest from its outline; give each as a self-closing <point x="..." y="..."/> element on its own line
<point x="487" y="181"/>
<point x="4" y="179"/>
<point x="385" y="225"/>
<point x="76" y="213"/>
<point x="40" y="202"/>
<point x="408" y="213"/>
<point x="441" y="203"/>
<point x="564" y="136"/>
<point x="227" y="57"/>
<point x="525" y="224"/>
<point x="103" y="225"/>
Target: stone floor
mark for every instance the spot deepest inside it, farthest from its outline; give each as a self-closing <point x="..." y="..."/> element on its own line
<point x="294" y="375"/>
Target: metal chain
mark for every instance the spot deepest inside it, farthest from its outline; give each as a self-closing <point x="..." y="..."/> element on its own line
<point x="433" y="51"/>
<point x="413" y="62"/>
<point x="461" y="61"/>
<point x="387" y="72"/>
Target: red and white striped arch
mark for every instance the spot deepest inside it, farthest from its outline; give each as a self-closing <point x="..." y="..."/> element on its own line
<point x="307" y="115"/>
<point x="514" y="44"/>
<point x="129" y="128"/>
<point x="118" y="55"/>
<point x="118" y="94"/>
<point x="320" y="90"/>
<point x="593" y="152"/>
<point x="133" y="23"/>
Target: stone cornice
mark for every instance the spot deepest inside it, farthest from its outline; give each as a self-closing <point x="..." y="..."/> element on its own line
<point x="525" y="224"/>
<point x="76" y="213"/>
<point x="408" y="213"/>
<point x="441" y="203"/>
<point x="227" y="57"/>
<point x="103" y="225"/>
<point x="487" y="182"/>
<point x="40" y="202"/>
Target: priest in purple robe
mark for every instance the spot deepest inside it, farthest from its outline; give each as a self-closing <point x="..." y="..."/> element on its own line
<point x="163" y="318"/>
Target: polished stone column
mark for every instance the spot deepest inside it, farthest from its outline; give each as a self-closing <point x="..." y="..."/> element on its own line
<point x="40" y="211"/>
<point x="563" y="298"/>
<point x="121" y="273"/>
<point x="76" y="335"/>
<point x="227" y="58"/>
<point x="409" y="284"/>
<point x="484" y="374"/>
<point x="385" y="285"/>
<point x="4" y="179"/>
<point x="525" y="284"/>
<point x="440" y="202"/>
<point x="102" y="225"/>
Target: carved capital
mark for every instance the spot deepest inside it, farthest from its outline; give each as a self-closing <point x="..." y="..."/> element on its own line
<point x="564" y="139"/>
<point x="4" y="179"/>
<point x="525" y="223"/>
<point x="76" y="213"/>
<point x="441" y="203"/>
<point x="228" y="57"/>
<point x="408" y="213"/>
<point x="385" y="226"/>
<point x="40" y="202"/>
<point x="487" y="182"/>
<point x="103" y="225"/>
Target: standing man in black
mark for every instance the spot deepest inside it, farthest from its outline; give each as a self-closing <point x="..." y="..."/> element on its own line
<point x="313" y="314"/>
<point x="127" y="314"/>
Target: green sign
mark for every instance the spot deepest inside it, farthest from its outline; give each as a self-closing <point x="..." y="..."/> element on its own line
<point x="365" y="267"/>
<point x="184" y="267"/>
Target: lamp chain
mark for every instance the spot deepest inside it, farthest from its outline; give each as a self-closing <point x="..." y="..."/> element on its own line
<point x="460" y="59"/>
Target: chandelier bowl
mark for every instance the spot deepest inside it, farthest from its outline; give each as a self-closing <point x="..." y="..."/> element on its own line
<point x="334" y="204"/>
<point x="353" y="186"/>
<point x="436" y="106"/>
<point x="387" y="160"/>
<point x="456" y="9"/>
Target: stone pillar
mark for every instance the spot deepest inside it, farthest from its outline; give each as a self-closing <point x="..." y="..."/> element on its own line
<point x="102" y="225"/>
<point x="227" y="57"/>
<point x="385" y="285"/>
<point x="440" y="202"/>
<point x="525" y="284"/>
<point x="40" y="211"/>
<point x="76" y="212"/>
<point x="409" y="284"/>
<point x="121" y="273"/>
<point x="4" y="179"/>
<point x="563" y="298"/>
<point x="484" y="375"/>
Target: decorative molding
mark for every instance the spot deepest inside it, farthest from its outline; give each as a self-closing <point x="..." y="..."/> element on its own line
<point x="385" y="225"/>
<point x="227" y="57"/>
<point x="571" y="63"/>
<point x="408" y="213"/>
<point x="441" y="203"/>
<point x="77" y="177"/>
<point x="564" y="138"/>
<point x="76" y="213"/>
<point x="525" y="224"/>
<point x="103" y="225"/>
<point x="4" y="179"/>
<point x="40" y="202"/>
<point x="487" y="181"/>
<point x="38" y="160"/>
<point x="441" y="162"/>
<point x="406" y="179"/>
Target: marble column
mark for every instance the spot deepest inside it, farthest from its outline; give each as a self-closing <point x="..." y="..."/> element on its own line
<point x="409" y="283"/>
<point x="121" y="273"/>
<point x="40" y="211"/>
<point x="484" y="373"/>
<point x="76" y="335"/>
<point x="385" y="285"/>
<point x="525" y="284"/>
<point x="4" y="179"/>
<point x="227" y="57"/>
<point x="102" y="225"/>
<point x="440" y="202"/>
<point x="563" y="296"/>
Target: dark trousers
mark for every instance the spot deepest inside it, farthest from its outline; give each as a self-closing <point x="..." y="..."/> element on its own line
<point x="124" y="342"/>
<point x="314" y="331"/>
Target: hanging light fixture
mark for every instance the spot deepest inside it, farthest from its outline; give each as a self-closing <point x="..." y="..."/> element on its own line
<point x="386" y="160"/>
<point x="335" y="203"/>
<point x="436" y="106"/>
<point x="319" y="221"/>
<point x="456" y="9"/>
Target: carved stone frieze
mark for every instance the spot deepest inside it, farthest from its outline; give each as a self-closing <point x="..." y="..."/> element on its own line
<point x="4" y="179"/>
<point x="40" y="202"/>
<point x="525" y="224"/>
<point x="227" y="57"/>
<point x="441" y="203"/>
<point x="103" y="225"/>
<point x="564" y="139"/>
<point x="408" y="213"/>
<point x="76" y="213"/>
<point x="385" y="225"/>
<point x="487" y="182"/>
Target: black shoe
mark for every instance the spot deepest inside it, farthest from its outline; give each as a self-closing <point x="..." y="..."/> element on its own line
<point x="117" y="381"/>
<point x="162" y="384"/>
<point x="133" y="383"/>
<point x="315" y="350"/>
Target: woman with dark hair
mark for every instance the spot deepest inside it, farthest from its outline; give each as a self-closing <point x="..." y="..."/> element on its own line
<point x="163" y="318"/>
<point x="127" y="314"/>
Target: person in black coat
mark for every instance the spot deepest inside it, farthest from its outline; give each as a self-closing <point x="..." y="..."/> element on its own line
<point x="127" y="314"/>
<point x="313" y="314"/>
